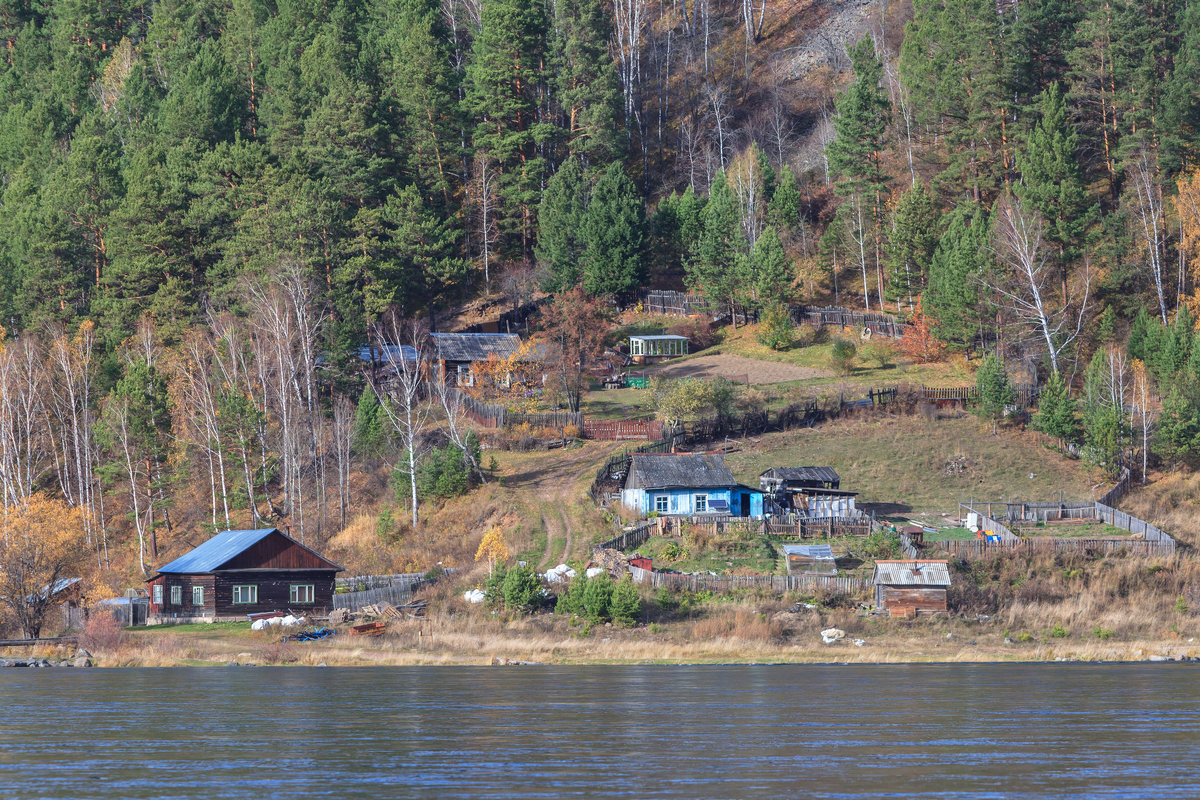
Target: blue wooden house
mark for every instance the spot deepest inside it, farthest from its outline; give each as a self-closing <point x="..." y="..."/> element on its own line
<point x="688" y="484"/>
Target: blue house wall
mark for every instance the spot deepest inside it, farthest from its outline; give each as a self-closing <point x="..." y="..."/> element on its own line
<point x="684" y="502"/>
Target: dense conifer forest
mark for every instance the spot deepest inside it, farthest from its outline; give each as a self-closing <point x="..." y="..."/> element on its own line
<point x="207" y="207"/>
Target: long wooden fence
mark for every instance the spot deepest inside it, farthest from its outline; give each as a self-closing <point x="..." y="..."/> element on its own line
<point x="771" y="583"/>
<point x="976" y="549"/>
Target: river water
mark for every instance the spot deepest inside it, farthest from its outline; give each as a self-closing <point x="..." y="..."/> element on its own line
<point x="961" y="731"/>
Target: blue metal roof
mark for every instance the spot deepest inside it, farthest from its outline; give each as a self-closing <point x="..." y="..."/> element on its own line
<point x="216" y="551"/>
<point x="387" y="354"/>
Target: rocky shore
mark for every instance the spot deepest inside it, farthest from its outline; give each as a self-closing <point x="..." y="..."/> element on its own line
<point x="81" y="659"/>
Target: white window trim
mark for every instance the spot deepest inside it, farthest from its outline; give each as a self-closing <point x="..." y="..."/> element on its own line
<point x="697" y="500"/>
<point x="198" y="591"/>
<point x="662" y="502"/>
<point x="158" y="594"/>
<point x="252" y="591"/>
<point x="293" y="595"/>
<point x="176" y="595"/>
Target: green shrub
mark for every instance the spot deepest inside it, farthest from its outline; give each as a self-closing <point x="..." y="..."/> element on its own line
<point x="882" y="544"/>
<point x="522" y="589"/>
<point x="1103" y="634"/>
<point x="842" y="356"/>
<point x="881" y="353"/>
<point x="775" y="330"/>
<point x="445" y="472"/>
<point x="1024" y="637"/>
<point x="1059" y="632"/>
<point x="597" y="598"/>
<point x="493" y="589"/>
<point x="570" y="601"/>
<point x="626" y="602"/>
<point x="1181" y="606"/>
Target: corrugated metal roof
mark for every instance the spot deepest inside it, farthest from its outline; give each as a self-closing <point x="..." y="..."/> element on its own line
<point x="912" y="573"/>
<point x="59" y="585"/>
<point x="820" y="552"/>
<point x="660" y="338"/>
<point x="216" y="551"/>
<point x="679" y="471"/>
<point x="388" y="354"/>
<point x="474" y="346"/>
<point x="822" y="474"/>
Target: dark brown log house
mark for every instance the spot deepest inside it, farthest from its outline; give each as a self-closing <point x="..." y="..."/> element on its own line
<point x="243" y="572"/>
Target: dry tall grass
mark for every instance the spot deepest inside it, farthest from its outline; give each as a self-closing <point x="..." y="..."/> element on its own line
<point x="1172" y="502"/>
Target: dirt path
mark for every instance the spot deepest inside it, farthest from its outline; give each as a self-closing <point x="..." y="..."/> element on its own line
<point x="737" y="368"/>
<point x="553" y="483"/>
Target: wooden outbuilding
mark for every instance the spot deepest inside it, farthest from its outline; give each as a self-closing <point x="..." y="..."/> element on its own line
<point x="454" y="354"/>
<point x="236" y="573"/>
<point x="808" y="491"/>
<point x="910" y="587"/>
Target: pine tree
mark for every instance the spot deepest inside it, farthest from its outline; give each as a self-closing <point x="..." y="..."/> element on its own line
<point x="784" y="209"/>
<point x="772" y="269"/>
<point x="613" y="228"/>
<point x="995" y="392"/>
<point x="423" y="88"/>
<point x="587" y="82"/>
<point x="719" y="261"/>
<point x="560" y="243"/>
<point x="856" y="153"/>
<point x="911" y="244"/>
<point x="506" y="81"/>
<point x="953" y="63"/>
<point x="1178" y="433"/>
<point x="1056" y="415"/>
<point x="960" y="257"/>
<point x="1051" y="181"/>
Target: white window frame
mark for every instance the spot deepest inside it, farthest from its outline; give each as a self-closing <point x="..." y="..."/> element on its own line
<point x="295" y="596"/>
<point x="158" y="594"/>
<point x="176" y="595"/>
<point x="700" y="503"/>
<point x="661" y="503"/>
<point x="197" y="595"/>
<point x="245" y="594"/>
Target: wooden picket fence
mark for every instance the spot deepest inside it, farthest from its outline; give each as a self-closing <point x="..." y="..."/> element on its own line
<point x="490" y="415"/>
<point x="772" y="583"/>
<point x="623" y="430"/>
<point x="633" y="538"/>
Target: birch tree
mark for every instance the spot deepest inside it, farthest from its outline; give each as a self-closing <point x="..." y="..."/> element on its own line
<point x="400" y="382"/>
<point x="1019" y="246"/>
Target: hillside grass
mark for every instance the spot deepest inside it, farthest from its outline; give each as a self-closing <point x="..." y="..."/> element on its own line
<point x="900" y="463"/>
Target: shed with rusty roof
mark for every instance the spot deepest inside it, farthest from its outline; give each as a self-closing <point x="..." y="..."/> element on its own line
<point x="904" y="588"/>
<point x="243" y="572"/>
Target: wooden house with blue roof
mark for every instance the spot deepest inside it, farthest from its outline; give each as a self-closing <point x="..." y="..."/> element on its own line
<point x="243" y="572"/>
<point x="687" y="484"/>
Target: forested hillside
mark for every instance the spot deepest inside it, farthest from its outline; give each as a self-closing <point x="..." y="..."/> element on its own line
<point x="208" y="206"/>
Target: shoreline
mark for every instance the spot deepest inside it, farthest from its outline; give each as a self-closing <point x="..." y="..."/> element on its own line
<point x="196" y="652"/>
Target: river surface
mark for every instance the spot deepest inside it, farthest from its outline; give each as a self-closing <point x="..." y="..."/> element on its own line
<point x="916" y="731"/>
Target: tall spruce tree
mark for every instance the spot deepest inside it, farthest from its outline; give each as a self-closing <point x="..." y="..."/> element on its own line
<point x="961" y="256"/>
<point x="613" y="228"/>
<point x="856" y="153"/>
<point x="507" y="81"/>
<point x="1051" y="181"/>
<point x="912" y="239"/>
<point x="560" y="243"/>
<point x="587" y="82"/>
<point x="719" y="262"/>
